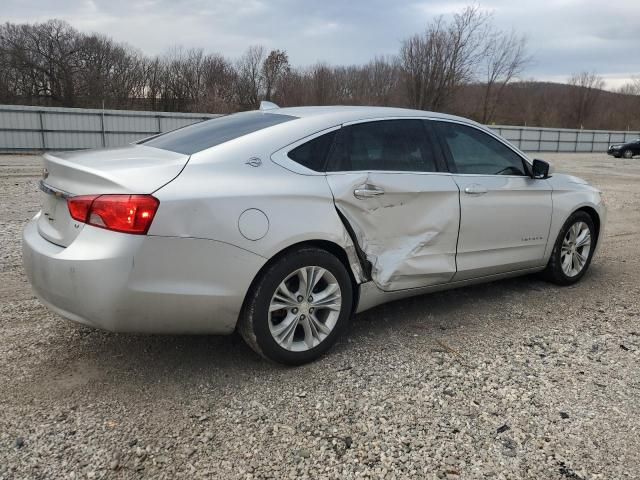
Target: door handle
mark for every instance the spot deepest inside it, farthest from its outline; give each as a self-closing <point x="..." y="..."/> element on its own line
<point x="367" y="191"/>
<point x="475" y="189"/>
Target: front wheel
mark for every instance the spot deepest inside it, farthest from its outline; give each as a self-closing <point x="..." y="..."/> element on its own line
<point x="627" y="154"/>
<point x="298" y="307"/>
<point x="573" y="250"/>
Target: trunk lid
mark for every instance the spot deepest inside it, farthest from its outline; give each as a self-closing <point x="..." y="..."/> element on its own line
<point x="135" y="169"/>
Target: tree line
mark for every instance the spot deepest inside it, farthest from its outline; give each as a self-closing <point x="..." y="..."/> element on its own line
<point x="462" y="65"/>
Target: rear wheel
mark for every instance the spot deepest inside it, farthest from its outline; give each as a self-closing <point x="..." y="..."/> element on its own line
<point x="627" y="154"/>
<point x="572" y="251"/>
<point x="298" y="307"/>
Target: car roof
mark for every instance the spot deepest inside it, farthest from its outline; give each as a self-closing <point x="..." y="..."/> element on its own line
<point x="313" y="120"/>
<point x="347" y="113"/>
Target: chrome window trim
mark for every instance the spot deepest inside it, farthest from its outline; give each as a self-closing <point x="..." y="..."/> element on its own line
<point x="381" y="119"/>
<point x="389" y="172"/>
<point x="400" y="172"/>
<point x="409" y="172"/>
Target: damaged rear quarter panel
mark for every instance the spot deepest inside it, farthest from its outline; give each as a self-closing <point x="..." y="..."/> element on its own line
<point x="208" y="199"/>
<point x="409" y="234"/>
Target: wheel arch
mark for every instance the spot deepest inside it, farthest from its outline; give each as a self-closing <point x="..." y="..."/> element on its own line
<point x="336" y="250"/>
<point x="593" y="213"/>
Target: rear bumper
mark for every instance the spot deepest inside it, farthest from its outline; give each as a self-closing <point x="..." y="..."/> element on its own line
<point x="145" y="284"/>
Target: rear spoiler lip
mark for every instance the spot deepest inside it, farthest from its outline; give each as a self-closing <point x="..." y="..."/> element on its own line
<point x="48" y="189"/>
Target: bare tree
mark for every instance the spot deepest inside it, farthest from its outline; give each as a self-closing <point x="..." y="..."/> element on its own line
<point x="110" y="72"/>
<point x="446" y="56"/>
<point x="583" y="96"/>
<point x="275" y="66"/>
<point x="347" y="85"/>
<point x="219" y="79"/>
<point x="53" y="63"/>
<point x="191" y="80"/>
<point x="249" y="78"/>
<point x="8" y="80"/>
<point x="181" y="78"/>
<point x="153" y="81"/>
<point x="632" y="87"/>
<point x="462" y="65"/>
<point x="46" y="57"/>
<point x="382" y="81"/>
<point x="504" y="58"/>
<point x="322" y="84"/>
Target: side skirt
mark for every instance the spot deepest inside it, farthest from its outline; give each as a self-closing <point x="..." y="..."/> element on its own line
<point x="371" y="295"/>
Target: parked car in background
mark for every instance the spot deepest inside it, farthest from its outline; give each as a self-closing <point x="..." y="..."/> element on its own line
<point x="626" y="150"/>
<point x="282" y="223"/>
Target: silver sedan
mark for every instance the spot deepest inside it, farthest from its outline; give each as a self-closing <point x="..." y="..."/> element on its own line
<point x="282" y="223"/>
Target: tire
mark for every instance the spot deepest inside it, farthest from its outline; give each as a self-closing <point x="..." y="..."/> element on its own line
<point x="302" y="330"/>
<point x="556" y="270"/>
<point x="627" y="154"/>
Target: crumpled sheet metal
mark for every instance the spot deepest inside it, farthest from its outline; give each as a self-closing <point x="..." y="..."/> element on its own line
<point x="410" y="233"/>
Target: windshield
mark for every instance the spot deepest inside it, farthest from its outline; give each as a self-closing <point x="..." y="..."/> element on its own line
<point x="200" y="136"/>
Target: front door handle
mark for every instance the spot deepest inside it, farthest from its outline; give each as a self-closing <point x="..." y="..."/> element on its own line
<point x="367" y="191"/>
<point x="475" y="189"/>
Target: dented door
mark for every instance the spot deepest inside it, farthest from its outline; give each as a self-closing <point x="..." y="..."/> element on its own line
<point x="405" y="223"/>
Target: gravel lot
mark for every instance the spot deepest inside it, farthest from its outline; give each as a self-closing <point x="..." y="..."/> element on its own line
<point x="514" y="379"/>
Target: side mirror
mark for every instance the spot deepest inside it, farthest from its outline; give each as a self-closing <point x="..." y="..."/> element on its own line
<point x="540" y="169"/>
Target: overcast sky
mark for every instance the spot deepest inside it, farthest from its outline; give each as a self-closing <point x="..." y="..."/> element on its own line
<point x="564" y="36"/>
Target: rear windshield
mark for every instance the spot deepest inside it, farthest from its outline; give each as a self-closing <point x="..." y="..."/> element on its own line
<point x="200" y="136"/>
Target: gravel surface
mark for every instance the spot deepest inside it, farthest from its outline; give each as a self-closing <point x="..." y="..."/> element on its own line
<point x="514" y="379"/>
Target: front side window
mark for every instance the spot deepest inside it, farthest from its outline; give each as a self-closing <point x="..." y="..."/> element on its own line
<point x="475" y="152"/>
<point x="200" y="136"/>
<point x="390" y="145"/>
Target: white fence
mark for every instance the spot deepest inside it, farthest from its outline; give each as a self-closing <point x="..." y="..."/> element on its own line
<point x="35" y="129"/>
<point x="534" y="139"/>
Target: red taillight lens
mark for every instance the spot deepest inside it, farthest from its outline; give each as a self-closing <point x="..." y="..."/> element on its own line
<point x="121" y="213"/>
<point x="79" y="206"/>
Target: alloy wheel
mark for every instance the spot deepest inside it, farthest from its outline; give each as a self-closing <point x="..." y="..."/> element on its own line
<point x="305" y="308"/>
<point x="576" y="246"/>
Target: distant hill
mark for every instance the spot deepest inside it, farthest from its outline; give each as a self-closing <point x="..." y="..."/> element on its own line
<point x="549" y="104"/>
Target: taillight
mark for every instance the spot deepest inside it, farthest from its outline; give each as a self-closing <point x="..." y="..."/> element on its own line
<point x="121" y="213"/>
<point x="79" y="206"/>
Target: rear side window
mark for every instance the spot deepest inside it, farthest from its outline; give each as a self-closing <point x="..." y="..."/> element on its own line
<point x="475" y="152"/>
<point x="207" y="134"/>
<point x="390" y="145"/>
<point x="313" y="153"/>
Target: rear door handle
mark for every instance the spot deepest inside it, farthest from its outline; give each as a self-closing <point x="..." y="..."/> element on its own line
<point x="475" y="189"/>
<point x="367" y="191"/>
